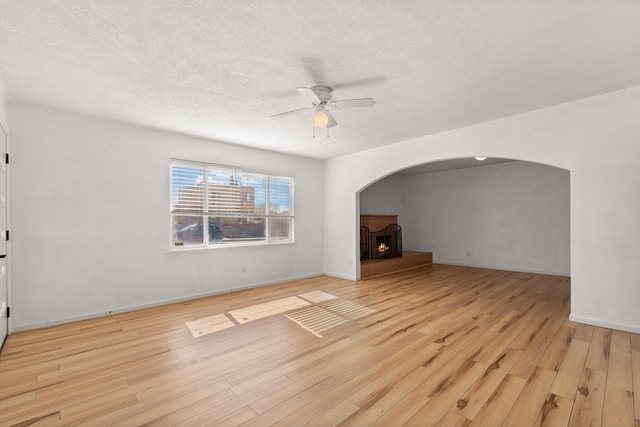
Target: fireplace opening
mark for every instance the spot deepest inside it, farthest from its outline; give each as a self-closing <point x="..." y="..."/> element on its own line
<point x="382" y="245"/>
<point x="386" y="243"/>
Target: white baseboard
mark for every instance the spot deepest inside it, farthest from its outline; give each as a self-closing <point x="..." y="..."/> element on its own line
<point x="605" y="324"/>
<point x="29" y="326"/>
<point x="505" y="268"/>
<point x="342" y="276"/>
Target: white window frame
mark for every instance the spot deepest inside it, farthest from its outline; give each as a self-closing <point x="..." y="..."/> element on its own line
<point x="208" y="210"/>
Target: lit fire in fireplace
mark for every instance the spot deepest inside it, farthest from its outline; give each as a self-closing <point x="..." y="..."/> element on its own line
<point x="382" y="248"/>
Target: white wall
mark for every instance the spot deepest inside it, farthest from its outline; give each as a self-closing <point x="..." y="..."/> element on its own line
<point x="91" y="221"/>
<point x="4" y="124"/>
<point x="385" y="197"/>
<point x="510" y="216"/>
<point x="3" y="107"/>
<point x="596" y="139"/>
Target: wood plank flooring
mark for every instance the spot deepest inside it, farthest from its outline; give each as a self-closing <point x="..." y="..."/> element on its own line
<point x="436" y="346"/>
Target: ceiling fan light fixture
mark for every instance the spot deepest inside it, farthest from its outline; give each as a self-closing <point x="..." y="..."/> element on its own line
<point x="321" y="106"/>
<point x="320" y="119"/>
<point x="481" y="158"/>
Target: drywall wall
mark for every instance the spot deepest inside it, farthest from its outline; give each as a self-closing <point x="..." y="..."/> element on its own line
<point x="385" y="197"/>
<point x="3" y="107"/>
<point x="510" y="216"/>
<point x="596" y="139"/>
<point x="91" y="225"/>
<point x="5" y="326"/>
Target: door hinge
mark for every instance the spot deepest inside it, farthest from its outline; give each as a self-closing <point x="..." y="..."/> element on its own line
<point x="8" y="312"/>
<point x="6" y="158"/>
<point x="7" y="235"/>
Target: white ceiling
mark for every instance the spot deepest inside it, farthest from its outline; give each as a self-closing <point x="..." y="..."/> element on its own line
<point x="220" y="69"/>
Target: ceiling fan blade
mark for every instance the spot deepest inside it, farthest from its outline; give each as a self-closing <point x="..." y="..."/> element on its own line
<point x="287" y="113"/>
<point x="332" y="121"/>
<point x="353" y="103"/>
<point x="361" y="82"/>
<point x="309" y="94"/>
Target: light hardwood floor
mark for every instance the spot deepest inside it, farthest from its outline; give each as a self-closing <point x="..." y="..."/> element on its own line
<point x="441" y="346"/>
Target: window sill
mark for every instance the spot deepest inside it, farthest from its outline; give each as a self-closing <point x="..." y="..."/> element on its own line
<point x="226" y="245"/>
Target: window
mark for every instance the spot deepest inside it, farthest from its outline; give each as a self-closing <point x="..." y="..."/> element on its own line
<point x="214" y="205"/>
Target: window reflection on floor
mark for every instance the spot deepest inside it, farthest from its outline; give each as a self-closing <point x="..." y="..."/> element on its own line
<point x="314" y="313"/>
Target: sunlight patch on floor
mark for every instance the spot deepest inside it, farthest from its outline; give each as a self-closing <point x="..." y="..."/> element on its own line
<point x="317" y="296"/>
<point x="258" y="311"/>
<point x="209" y="325"/>
<point x="316" y="319"/>
<point x="348" y="309"/>
<point x="318" y="311"/>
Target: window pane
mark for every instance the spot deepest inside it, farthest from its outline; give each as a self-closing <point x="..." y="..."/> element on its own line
<point x="240" y="229"/>
<point x="186" y="188"/>
<point x="280" y="190"/>
<point x="254" y="193"/>
<point x="216" y="235"/>
<point x="223" y="192"/>
<point x="234" y="193"/>
<point x="280" y="229"/>
<point x="187" y="230"/>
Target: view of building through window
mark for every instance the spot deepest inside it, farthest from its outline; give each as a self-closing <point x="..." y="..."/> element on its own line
<point x="217" y="205"/>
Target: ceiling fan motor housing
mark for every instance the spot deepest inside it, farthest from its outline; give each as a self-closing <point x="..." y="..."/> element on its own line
<point x="322" y="92"/>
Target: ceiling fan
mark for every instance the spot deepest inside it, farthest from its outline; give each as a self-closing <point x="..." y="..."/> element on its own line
<point x="321" y="104"/>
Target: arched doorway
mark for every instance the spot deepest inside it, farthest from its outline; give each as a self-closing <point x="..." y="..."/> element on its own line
<point x="504" y="214"/>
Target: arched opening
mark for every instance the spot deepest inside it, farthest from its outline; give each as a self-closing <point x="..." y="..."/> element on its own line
<point x="499" y="213"/>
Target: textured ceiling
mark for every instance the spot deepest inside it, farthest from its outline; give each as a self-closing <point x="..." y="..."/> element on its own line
<point x="220" y="69"/>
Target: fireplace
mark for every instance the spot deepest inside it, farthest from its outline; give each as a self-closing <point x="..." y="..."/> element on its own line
<point x="386" y="243"/>
<point x="380" y="237"/>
